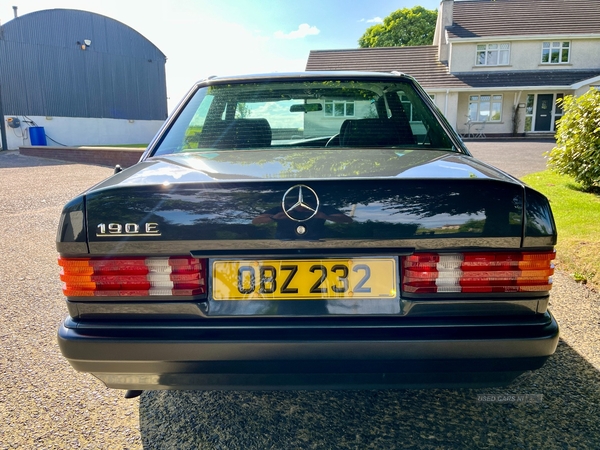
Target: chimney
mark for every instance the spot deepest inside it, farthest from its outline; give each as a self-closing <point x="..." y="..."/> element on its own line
<point x="445" y="19"/>
<point x="15" y="11"/>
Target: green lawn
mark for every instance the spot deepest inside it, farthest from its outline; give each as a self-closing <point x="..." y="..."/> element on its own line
<point x="577" y="216"/>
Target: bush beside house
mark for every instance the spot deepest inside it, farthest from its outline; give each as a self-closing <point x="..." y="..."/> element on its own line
<point x="577" y="151"/>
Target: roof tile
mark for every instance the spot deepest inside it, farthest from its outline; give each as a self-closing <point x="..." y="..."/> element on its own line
<point x="421" y="63"/>
<point x="494" y="18"/>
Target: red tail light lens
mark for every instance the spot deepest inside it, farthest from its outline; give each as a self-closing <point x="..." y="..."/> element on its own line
<point x="429" y="273"/>
<point x="133" y="276"/>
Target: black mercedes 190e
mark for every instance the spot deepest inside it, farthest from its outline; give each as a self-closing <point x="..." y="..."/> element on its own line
<point x="311" y="230"/>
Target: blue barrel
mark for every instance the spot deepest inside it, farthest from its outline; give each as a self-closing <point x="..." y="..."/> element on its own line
<point x="37" y="136"/>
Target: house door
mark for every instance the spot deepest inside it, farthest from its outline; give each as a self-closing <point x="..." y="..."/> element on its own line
<point x="543" y="112"/>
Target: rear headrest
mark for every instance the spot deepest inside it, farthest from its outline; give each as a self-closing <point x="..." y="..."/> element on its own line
<point x="239" y="133"/>
<point x="375" y="133"/>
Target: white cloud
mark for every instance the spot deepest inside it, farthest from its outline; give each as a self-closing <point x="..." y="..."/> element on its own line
<point x="302" y="31"/>
<point x="375" y="20"/>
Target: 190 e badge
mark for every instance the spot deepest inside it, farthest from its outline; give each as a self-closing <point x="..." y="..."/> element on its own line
<point x="127" y="229"/>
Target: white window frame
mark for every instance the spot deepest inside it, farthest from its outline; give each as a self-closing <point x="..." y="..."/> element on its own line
<point x="549" y="46"/>
<point x="480" y="101"/>
<point x="339" y="106"/>
<point x="408" y="109"/>
<point x="488" y="50"/>
<point x="530" y="112"/>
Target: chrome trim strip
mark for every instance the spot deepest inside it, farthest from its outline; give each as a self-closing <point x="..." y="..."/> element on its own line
<point x="121" y="246"/>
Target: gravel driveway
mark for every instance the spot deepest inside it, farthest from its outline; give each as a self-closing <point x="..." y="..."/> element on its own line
<point x="46" y="404"/>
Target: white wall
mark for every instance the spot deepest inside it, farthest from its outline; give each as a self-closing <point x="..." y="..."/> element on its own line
<point x="527" y="55"/>
<point x="72" y="131"/>
<point x="447" y="103"/>
<point x="582" y="90"/>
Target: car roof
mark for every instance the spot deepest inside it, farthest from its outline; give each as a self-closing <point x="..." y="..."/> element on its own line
<point x="303" y="76"/>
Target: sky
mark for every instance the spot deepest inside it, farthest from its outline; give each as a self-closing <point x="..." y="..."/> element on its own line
<point x="229" y="37"/>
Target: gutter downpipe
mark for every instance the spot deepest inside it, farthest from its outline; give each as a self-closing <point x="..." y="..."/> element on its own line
<point x="2" y="124"/>
<point x="446" y="106"/>
<point x="446" y="102"/>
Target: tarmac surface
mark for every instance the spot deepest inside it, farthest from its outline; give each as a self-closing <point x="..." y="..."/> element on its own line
<point x="517" y="157"/>
<point x="44" y="403"/>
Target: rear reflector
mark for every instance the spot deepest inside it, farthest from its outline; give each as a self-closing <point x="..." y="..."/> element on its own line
<point x="133" y="276"/>
<point x="429" y="273"/>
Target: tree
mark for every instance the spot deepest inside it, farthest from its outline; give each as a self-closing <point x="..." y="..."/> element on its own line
<point x="404" y="27"/>
<point x="577" y="151"/>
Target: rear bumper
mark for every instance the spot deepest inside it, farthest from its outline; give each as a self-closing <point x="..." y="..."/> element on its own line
<point x="258" y="354"/>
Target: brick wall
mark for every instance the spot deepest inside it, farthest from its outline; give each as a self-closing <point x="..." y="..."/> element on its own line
<point x="100" y="156"/>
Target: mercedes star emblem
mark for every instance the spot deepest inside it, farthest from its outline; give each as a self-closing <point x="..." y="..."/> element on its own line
<point x="300" y="203"/>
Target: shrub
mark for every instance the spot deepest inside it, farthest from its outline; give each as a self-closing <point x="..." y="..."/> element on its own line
<point x="577" y="151"/>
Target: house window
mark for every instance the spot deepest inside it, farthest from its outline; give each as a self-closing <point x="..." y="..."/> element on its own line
<point x="485" y="108"/>
<point x="492" y="54"/>
<point x="555" y="52"/>
<point x="339" y="109"/>
<point x="411" y="114"/>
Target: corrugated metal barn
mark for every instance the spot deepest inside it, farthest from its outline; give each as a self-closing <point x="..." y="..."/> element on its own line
<point x="69" y="63"/>
<point x="78" y="78"/>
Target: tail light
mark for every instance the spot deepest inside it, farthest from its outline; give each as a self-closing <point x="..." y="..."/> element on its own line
<point x="428" y="273"/>
<point x="133" y="276"/>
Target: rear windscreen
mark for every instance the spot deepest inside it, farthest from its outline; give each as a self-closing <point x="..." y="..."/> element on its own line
<point x="308" y="114"/>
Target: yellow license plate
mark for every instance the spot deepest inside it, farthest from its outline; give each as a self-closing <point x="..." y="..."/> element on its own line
<point x="304" y="279"/>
